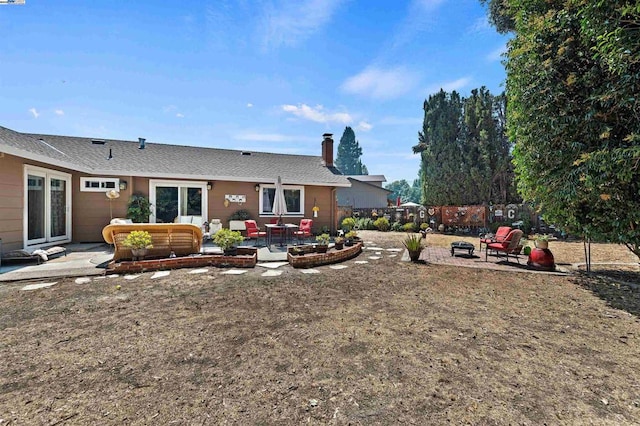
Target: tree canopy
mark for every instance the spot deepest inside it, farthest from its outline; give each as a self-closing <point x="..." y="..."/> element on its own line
<point x="349" y="153"/>
<point x="465" y="151"/>
<point x="406" y="192"/>
<point x="573" y="79"/>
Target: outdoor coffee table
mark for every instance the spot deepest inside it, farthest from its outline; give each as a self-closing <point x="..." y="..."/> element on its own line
<point x="462" y="245"/>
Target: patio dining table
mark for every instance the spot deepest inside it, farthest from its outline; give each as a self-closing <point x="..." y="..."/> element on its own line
<point x="285" y="230"/>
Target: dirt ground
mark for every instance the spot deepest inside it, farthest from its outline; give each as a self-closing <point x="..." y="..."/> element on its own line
<point x="384" y="342"/>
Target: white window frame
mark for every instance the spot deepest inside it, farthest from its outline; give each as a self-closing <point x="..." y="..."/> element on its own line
<point x="102" y="181"/>
<point x="153" y="183"/>
<point x="47" y="174"/>
<point x="285" y="187"/>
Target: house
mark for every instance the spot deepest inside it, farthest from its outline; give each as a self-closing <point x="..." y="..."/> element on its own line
<point x="53" y="188"/>
<point x="366" y="191"/>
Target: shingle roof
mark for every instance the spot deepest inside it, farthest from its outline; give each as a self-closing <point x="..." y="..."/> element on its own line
<point x="169" y="161"/>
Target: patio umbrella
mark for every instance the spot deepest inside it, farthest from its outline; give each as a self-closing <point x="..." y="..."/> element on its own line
<point x="279" y="202"/>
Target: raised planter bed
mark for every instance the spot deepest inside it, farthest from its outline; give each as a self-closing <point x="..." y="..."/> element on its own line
<point x="311" y="259"/>
<point x="247" y="258"/>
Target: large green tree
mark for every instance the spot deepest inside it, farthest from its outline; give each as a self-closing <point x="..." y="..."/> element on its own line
<point x="573" y="79"/>
<point x="349" y="153"/>
<point x="465" y="152"/>
<point x="402" y="189"/>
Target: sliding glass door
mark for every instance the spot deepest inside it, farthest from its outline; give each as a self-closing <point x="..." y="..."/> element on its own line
<point x="174" y="199"/>
<point x="47" y="206"/>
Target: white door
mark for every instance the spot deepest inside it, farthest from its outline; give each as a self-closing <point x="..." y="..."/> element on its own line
<point x="47" y="207"/>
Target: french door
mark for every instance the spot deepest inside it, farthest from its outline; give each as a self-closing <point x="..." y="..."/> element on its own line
<point x="171" y="199"/>
<point x="47" y="206"/>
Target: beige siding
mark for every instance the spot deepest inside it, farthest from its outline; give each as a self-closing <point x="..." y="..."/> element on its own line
<point x="11" y="202"/>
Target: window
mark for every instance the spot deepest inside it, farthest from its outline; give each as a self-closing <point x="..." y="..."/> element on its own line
<point x="98" y="184"/>
<point x="294" y="196"/>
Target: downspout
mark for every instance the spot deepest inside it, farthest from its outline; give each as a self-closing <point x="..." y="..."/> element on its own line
<point x="334" y="203"/>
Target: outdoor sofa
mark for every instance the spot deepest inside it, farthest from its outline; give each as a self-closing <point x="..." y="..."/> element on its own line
<point x="182" y="239"/>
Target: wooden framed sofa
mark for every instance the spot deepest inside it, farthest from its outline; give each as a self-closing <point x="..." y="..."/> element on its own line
<point x="182" y="239"/>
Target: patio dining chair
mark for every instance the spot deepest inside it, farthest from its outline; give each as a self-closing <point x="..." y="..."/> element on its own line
<point x="253" y="231"/>
<point x="304" y="230"/>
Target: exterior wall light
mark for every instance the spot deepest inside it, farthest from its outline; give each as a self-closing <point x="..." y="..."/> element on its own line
<point x="257" y="187"/>
<point x="209" y="186"/>
<point x="123" y="185"/>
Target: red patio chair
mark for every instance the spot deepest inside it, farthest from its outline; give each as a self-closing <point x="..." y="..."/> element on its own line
<point x="510" y="245"/>
<point x="499" y="237"/>
<point x="304" y="230"/>
<point x="253" y="231"/>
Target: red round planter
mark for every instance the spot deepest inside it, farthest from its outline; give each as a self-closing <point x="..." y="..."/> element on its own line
<point x="542" y="259"/>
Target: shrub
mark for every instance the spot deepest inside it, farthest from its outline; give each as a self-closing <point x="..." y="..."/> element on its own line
<point x="396" y="226"/>
<point x="424" y="225"/>
<point x="409" y="227"/>
<point x="365" y="223"/>
<point x="323" y="239"/>
<point x="226" y="238"/>
<point x="138" y="240"/>
<point x="138" y="208"/>
<point x="351" y="234"/>
<point x="348" y="223"/>
<point x="240" y="215"/>
<point x="382" y="224"/>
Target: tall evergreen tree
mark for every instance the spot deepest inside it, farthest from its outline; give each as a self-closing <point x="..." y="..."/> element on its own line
<point x="465" y="151"/>
<point x="573" y="78"/>
<point x="349" y="152"/>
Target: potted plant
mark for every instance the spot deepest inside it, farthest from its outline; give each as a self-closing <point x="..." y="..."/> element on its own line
<point x="339" y="243"/>
<point x="413" y="243"/>
<point x="228" y="241"/>
<point x="541" y="241"/>
<point x="138" y="209"/>
<point x="139" y="242"/>
<point x="297" y="251"/>
<point x="350" y="238"/>
<point x="323" y="243"/>
<point x="348" y="223"/>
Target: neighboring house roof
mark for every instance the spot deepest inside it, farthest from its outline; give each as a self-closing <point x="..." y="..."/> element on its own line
<point x="169" y="161"/>
<point x="352" y="179"/>
<point x="369" y="178"/>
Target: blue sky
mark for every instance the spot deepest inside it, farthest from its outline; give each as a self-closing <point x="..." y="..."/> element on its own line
<point x="263" y="75"/>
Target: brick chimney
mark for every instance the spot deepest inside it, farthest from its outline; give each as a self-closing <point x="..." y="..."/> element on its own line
<point x="327" y="149"/>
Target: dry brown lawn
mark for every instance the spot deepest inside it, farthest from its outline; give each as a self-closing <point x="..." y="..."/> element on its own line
<point x="384" y="342"/>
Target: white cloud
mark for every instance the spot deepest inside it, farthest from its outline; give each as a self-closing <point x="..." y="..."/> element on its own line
<point x="317" y="114"/>
<point x="481" y="25"/>
<point x="449" y="86"/>
<point x="34" y="112"/>
<point x="496" y="55"/>
<point x="292" y="21"/>
<point x="364" y="126"/>
<point x="59" y="112"/>
<point x="180" y="115"/>
<point x="379" y="83"/>
<point x="249" y="105"/>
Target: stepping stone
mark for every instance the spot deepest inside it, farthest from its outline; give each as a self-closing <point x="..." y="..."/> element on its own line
<point x="83" y="280"/>
<point x="374" y="257"/>
<point x="131" y="277"/>
<point x="309" y="271"/>
<point x="113" y="276"/>
<point x="395" y="249"/>
<point x="272" y="265"/>
<point x="392" y="255"/>
<point x="272" y="273"/>
<point x="375" y="248"/>
<point x="378" y="253"/>
<point x="338" y="266"/>
<point x="38" y="285"/>
<point x="235" y="272"/>
<point x="361" y="262"/>
<point x="160" y="274"/>
<point x="199" y="271"/>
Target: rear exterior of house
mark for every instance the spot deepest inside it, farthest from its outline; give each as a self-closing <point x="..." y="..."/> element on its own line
<point x="53" y="188"/>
